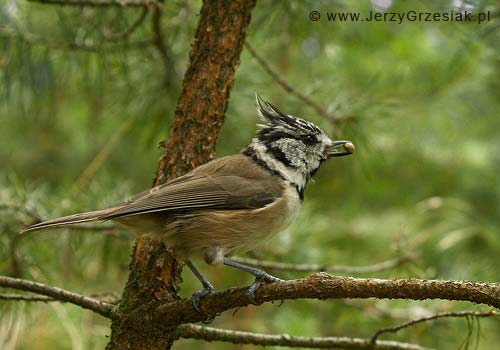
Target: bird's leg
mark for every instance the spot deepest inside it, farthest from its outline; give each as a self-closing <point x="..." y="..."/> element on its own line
<point x="207" y="287"/>
<point x="260" y="277"/>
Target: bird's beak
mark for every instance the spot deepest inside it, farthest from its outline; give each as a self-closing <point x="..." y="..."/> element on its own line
<point x="333" y="151"/>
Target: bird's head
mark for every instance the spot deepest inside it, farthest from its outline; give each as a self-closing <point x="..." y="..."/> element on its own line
<point x="292" y="146"/>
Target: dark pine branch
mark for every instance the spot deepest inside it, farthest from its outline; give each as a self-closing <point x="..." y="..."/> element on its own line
<point x="83" y="301"/>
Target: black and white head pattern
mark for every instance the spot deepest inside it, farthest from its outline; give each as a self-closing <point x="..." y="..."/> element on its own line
<point x="291" y="146"/>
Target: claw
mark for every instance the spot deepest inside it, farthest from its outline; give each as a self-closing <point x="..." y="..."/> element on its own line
<point x="259" y="280"/>
<point x="250" y="292"/>
<point x="260" y="277"/>
<point x="207" y="287"/>
<point x="196" y="297"/>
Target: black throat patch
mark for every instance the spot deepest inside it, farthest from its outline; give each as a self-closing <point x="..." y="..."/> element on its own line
<point x="300" y="191"/>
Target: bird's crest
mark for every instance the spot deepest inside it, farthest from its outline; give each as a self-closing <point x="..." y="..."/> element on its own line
<point x="273" y="118"/>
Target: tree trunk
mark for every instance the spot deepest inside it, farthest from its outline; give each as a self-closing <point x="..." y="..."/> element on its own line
<point x="154" y="272"/>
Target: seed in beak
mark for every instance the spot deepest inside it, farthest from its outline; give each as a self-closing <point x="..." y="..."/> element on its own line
<point x="349" y="147"/>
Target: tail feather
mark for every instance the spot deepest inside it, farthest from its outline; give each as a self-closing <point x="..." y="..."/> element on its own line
<point x="69" y="220"/>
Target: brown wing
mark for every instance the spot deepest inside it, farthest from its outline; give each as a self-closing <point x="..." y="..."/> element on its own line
<point x="226" y="183"/>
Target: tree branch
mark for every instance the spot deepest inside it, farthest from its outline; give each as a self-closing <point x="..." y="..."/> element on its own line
<point x="97" y="3"/>
<point x="394" y="329"/>
<point x="324" y="286"/>
<point x="288" y="88"/>
<point x="381" y="266"/>
<point x="83" y="301"/>
<point x="109" y="297"/>
<point x="237" y="337"/>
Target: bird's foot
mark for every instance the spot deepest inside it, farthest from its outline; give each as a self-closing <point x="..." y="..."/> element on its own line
<point x="196" y="297"/>
<point x="260" y="279"/>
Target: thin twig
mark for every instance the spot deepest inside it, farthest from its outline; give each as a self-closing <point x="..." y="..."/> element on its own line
<point x="22" y="297"/>
<point x="96" y="3"/>
<point x="320" y="110"/>
<point x="158" y="39"/>
<point x="394" y="329"/>
<point x="192" y="331"/>
<point x="124" y="35"/>
<point x="108" y="297"/>
<point x="102" y="308"/>
<point x="159" y="43"/>
<point x="381" y="266"/>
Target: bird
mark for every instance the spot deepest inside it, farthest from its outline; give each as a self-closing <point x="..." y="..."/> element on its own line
<point x="230" y="204"/>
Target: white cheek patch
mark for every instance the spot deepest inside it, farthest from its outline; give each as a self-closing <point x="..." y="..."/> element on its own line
<point x="290" y="174"/>
<point x="294" y="152"/>
<point x="301" y="157"/>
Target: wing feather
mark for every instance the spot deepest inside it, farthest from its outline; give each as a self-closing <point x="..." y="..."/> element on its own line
<point x="213" y="191"/>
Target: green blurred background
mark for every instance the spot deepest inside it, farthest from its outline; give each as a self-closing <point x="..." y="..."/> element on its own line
<point x="83" y="105"/>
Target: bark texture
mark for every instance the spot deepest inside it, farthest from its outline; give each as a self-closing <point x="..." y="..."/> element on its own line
<point x="154" y="272"/>
<point x="324" y="286"/>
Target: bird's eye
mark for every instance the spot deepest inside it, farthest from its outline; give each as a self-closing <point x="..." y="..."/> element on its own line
<point x="309" y="140"/>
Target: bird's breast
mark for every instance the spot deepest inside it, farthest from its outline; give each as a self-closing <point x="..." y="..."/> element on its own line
<point x="281" y="212"/>
<point x="235" y="230"/>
